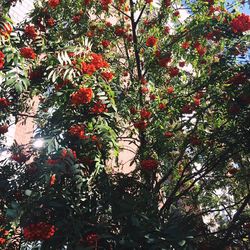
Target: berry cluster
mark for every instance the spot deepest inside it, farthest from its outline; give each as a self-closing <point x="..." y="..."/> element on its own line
<point x="30" y="32"/>
<point x="97" y="62"/>
<point x="1" y="59"/>
<point x="241" y="23"/>
<point x="77" y="130"/>
<point x="99" y="107"/>
<point x="149" y="164"/>
<point x="39" y="231"/>
<point x="108" y="76"/>
<point x="4" y="103"/>
<point x="82" y="96"/>
<point x="3" y="129"/>
<point x="151" y="41"/>
<point x="53" y="3"/>
<point x="28" y="53"/>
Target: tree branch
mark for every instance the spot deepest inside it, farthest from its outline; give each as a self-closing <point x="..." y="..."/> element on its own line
<point x="139" y="17"/>
<point x="119" y="10"/>
<point x="236" y="217"/>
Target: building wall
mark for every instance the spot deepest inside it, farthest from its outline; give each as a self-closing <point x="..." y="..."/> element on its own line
<point x="23" y="130"/>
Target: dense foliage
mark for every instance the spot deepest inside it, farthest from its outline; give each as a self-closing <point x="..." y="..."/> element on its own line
<point x="171" y="78"/>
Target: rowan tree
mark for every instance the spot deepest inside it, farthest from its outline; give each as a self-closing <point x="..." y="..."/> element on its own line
<point x="170" y="77"/>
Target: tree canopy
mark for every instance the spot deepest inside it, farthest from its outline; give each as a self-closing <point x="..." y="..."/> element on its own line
<point x="171" y="78"/>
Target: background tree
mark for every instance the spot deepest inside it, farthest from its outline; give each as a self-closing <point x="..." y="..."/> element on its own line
<point x="123" y="70"/>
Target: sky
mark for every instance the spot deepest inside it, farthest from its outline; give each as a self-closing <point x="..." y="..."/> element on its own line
<point x="245" y="8"/>
<point x="20" y="10"/>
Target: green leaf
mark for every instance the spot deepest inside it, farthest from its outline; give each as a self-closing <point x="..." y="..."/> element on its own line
<point x="182" y="243"/>
<point x="11" y="213"/>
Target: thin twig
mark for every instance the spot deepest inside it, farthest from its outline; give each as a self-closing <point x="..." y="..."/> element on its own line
<point x="119" y="10"/>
